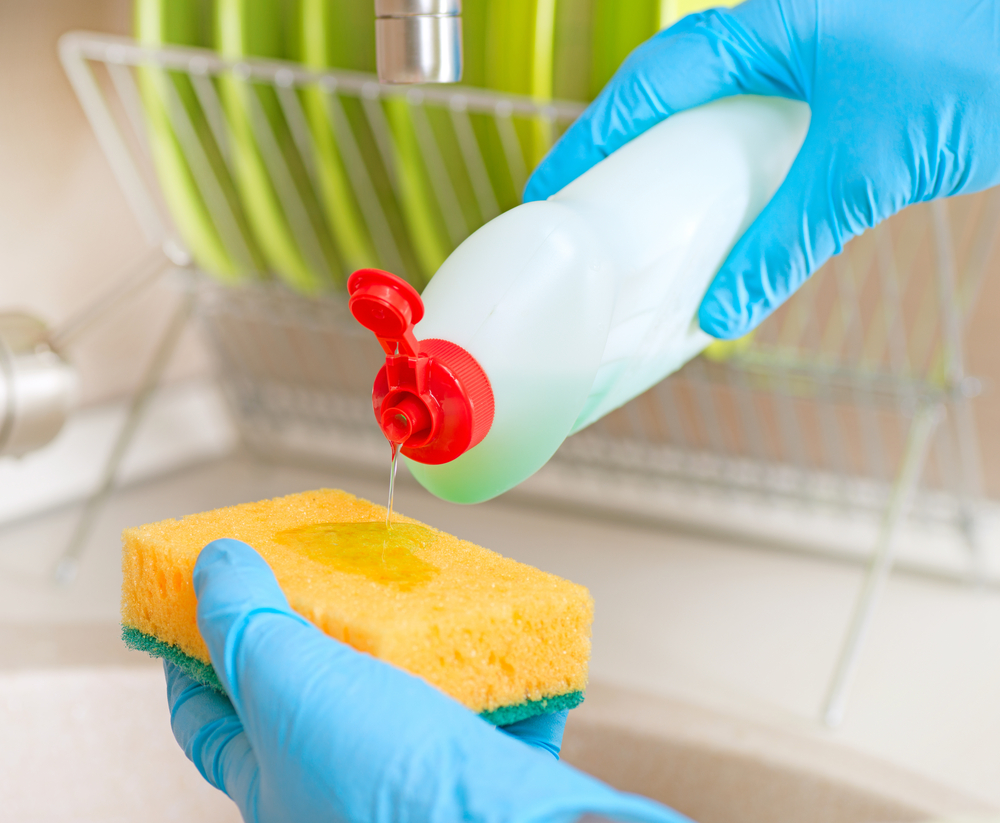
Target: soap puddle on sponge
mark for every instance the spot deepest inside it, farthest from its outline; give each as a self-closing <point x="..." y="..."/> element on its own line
<point x="384" y="554"/>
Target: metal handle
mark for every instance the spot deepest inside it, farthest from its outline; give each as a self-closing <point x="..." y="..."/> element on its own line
<point x="418" y="41"/>
<point x="37" y="386"/>
<point x="405" y="8"/>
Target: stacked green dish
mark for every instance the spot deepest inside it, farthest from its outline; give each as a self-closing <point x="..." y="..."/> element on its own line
<point x="193" y="174"/>
<point x="341" y="34"/>
<point x="619" y="27"/>
<point x="264" y="212"/>
<point x="270" y="170"/>
<point x="332" y="37"/>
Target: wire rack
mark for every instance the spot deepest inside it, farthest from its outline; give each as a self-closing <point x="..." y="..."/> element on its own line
<point x="851" y="402"/>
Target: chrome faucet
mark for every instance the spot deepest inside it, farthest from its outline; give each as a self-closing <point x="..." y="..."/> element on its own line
<point x="418" y="41"/>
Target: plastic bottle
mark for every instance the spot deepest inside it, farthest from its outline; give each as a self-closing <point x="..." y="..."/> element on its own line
<point x="557" y="312"/>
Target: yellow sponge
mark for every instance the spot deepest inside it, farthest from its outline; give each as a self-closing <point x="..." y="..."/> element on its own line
<point x="505" y="639"/>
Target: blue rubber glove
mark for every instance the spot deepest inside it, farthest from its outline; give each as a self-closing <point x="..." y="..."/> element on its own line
<point x="315" y="731"/>
<point x="905" y="99"/>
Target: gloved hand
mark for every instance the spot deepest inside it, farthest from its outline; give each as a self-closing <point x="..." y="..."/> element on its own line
<point x="905" y="100"/>
<point x="315" y="731"/>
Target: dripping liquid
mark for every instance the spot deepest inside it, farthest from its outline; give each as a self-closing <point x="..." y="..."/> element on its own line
<point x="384" y="553"/>
<point x="392" y="483"/>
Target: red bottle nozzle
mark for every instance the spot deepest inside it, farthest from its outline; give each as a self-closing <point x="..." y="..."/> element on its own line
<point x="431" y="396"/>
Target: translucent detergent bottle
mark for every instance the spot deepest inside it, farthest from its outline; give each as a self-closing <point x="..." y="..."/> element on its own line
<point x="557" y="312"/>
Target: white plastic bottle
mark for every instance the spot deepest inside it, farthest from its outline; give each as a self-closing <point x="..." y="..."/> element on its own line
<point x="575" y="305"/>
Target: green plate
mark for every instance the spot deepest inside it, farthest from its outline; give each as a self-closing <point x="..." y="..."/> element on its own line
<point x="341" y="34"/>
<point x="222" y="245"/>
<point x="333" y="35"/>
<point x="571" y="50"/>
<point x="520" y="42"/>
<point x="421" y="209"/>
<point x="468" y="211"/>
<point x="617" y="29"/>
<point x="434" y="193"/>
<point x="271" y="174"/>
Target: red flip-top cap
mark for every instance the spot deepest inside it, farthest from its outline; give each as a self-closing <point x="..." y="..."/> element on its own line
<point x="431" y="396"/>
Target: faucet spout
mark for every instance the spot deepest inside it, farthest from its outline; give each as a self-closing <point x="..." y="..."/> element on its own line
<point x="418" y="41"/>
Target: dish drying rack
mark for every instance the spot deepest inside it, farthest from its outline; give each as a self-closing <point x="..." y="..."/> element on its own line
<point x="849" y="408"/>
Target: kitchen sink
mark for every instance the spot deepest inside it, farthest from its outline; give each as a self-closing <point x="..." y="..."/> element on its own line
<point x="94" y="744"/>
<point x="717" y="768"/>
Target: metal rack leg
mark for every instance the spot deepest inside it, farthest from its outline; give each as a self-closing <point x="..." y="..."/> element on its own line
<point x="66" y="568"/>
<point x="922" y="428"/>
<point x="971" y="492"/>
<point x="953" y="355"/>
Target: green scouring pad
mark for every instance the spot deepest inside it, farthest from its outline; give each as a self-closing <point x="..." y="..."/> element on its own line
<point x="204" y="673"/>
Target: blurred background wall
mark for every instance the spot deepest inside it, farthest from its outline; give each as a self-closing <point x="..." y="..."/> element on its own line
<point x="66" y="232"/>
